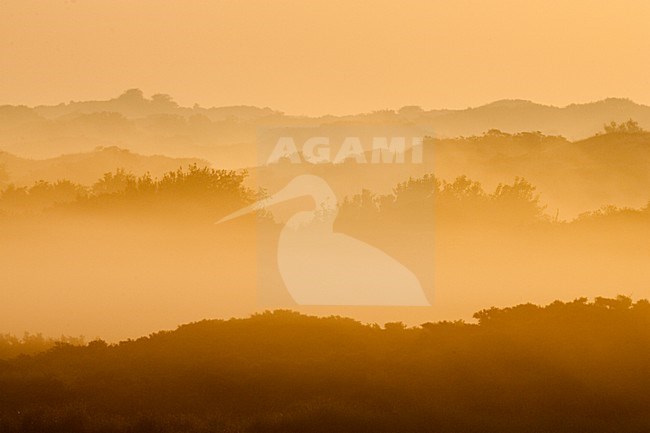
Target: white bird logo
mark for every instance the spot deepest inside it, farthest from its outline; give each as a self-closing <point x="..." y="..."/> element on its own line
<point x="321" y="267"/>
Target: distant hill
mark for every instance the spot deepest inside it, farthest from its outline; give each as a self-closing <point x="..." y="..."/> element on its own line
<point x="571" y="176"/>
<point x="86" y="168"/>
<point x="227" y="135"/>
<point x="133" y="104"/>
<point x="574" y="121"/>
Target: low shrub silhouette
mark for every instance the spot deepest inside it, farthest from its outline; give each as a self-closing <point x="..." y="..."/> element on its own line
<point x="565" y="367"/>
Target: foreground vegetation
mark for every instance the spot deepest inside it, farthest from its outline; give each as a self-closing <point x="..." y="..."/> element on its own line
<point x="577" y="366"/>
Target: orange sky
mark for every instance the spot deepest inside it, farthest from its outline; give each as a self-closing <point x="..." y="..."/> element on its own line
<point x="326" y="56"/>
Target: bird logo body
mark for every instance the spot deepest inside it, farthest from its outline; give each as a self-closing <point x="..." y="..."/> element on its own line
<point x="321" y="267"/>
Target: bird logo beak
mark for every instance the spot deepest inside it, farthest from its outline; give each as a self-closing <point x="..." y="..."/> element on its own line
<point x="241" y="212"/>
<point x="298" y="187"/>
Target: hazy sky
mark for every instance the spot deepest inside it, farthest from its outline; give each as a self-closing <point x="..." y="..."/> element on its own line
<point x="326" y="56"/>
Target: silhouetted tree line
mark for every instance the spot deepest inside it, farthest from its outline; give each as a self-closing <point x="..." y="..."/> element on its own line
<point x="421" y="201"/>
<point x="614" y="214"/>
<point x="415" y="202"/>
<point x="566" y="367"/>
<point x="194" y="189"/>
<point x="29" y="344"/>
<point x="629" y="127"/>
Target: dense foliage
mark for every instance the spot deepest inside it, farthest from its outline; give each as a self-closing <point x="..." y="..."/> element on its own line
<point x="189" y="190"/>
<point x="30" y="344"/>
<point x="577" y="366"/>
<point x="210" y="192"/>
